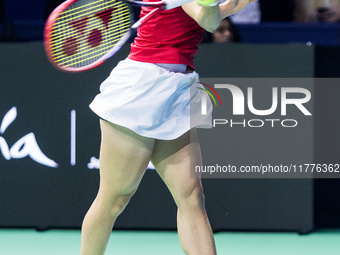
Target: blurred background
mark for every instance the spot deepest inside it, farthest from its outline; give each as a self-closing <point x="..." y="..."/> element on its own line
<point x="265" y="21"/>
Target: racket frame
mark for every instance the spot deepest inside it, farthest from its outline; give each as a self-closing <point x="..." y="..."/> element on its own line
<point x="48" y="46"/>
<point x="159" y="6"/>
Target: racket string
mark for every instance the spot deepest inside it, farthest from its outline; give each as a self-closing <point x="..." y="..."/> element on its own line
<point x="86" y="12"/>
<point x="85" y="53"/>
<point x="91" y="51"/>
<point x="59" y="36"/>
<point x="72" y="9"/>
<point x="98" y="56"/>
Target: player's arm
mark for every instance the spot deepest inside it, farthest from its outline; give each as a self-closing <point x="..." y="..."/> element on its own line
<point x="209" y="17"/>
<point x="230" y="7"/>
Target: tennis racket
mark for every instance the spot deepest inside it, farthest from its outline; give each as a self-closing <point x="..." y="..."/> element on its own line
<point x="81" y="34"/>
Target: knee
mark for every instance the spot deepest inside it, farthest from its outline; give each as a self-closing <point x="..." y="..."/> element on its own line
<point x="114" y="205"/>
<point x="119" y="203"/>
<point x="192" y="199"/>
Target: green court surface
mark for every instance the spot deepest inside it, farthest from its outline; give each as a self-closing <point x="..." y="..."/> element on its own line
<point x="67" y="242"/>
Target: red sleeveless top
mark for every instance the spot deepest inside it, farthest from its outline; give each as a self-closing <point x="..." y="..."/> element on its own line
<point x="170" y="37"/>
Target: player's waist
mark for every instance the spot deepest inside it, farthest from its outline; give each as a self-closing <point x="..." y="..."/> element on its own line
<point x="180" y="68"/>
<point x="171" y="58"/>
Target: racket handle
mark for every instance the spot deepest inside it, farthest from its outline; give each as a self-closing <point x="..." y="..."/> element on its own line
<point x="170" y="4"/>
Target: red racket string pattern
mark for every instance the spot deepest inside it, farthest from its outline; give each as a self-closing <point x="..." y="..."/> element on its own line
<point x="94" y="38"/>
<point x="82" y="34"/>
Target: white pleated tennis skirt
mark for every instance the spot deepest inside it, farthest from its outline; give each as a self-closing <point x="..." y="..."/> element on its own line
<point x="152" y="101"/>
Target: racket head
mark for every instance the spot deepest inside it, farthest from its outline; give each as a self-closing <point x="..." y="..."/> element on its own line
<point x="81" y="34"/>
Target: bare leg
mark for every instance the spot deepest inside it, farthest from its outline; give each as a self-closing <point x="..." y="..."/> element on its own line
<point x="172" y="161"/>
<point x="124" y="157"/>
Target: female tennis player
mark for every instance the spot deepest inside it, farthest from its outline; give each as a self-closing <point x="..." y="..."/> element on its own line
<point x="144" y="110"/>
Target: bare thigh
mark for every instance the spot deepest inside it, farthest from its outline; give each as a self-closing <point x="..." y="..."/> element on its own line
<point x="124" y="156"/>
<point x="173" y="160"/>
